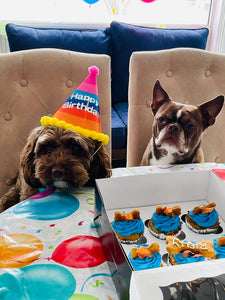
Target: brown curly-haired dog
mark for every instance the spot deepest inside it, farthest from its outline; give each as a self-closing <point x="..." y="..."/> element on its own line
<point x="56" y="158"/>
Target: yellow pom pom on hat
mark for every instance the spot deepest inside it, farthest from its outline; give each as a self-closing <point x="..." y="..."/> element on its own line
<point x="80" y="112"/>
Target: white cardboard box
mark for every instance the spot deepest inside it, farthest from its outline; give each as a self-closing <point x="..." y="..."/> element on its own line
<point x="144" y="192"/>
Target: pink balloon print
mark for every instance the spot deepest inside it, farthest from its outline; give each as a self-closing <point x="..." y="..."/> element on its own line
<point x="148" y="1"/>
<point x="80" y="252"/>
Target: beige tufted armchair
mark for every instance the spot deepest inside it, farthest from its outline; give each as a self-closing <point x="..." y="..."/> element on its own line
<point x="188" y="75"/>
<point x="34" y="83"/>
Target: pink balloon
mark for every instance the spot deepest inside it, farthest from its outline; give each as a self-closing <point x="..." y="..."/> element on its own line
<point x="82" y="251"/>
<point x="147" y="1"/>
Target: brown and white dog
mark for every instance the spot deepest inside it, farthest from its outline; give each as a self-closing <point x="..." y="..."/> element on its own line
<point x="56" y="158"/>
<point x="177" y="129"/>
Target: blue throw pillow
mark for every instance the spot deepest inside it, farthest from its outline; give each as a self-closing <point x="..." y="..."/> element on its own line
<point x="88" y="41"/>
<point x="119" y="131"/>
<point x="129" y="38"/>
<point x="122" y="110"/>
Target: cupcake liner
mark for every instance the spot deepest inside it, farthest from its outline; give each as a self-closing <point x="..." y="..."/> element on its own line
<point x="163" y="236"/>
<point x="203" y="230"/>
<point x="129" y="242"/>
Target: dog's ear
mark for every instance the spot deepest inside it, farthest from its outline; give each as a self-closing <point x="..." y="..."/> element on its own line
<point x="210" y="110"/>
<point x="100" y="165"/>
<point x="27" y="158"/>
<point x="159" y="97"/>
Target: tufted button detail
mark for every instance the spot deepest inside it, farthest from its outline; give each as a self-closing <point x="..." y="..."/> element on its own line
<point x="217" y="159"/>
<point x="50" y="115"/>
<point x="169" y="73"/>
<point x="7" y="116"/>
<point x="24" y="82"/>
<point x="148" y="103"/>
<point x="69" y="83"/>
<point x="207" y="73"/>
<point x="9" y="181"/>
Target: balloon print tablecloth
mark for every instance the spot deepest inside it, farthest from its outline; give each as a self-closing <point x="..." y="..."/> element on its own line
<point x="49" y="246"/>
<point x="49" y="249"/>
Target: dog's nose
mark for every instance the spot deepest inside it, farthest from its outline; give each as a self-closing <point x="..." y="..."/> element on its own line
<point x="173" y="129"/>
<point x="58" y="173"/>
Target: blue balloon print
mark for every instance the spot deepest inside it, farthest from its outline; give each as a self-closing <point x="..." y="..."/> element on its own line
<point x="37" y="282"/>
<point x="52" y="207"/>
<point x="91" y="1"/>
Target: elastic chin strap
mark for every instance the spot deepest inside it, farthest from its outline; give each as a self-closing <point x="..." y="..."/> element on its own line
<point x="96" y="150"/>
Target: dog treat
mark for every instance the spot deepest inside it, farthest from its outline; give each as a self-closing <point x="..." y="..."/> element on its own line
<point x="145" y="256"/>
<point x="219" y="247"/>
<point x="184" y="252"/>
<point x="203" y="219"/>
<point x="165" y="221"/>
<point x="129" y="227"/>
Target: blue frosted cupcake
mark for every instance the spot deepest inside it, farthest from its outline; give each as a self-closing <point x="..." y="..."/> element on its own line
<point x="203" y="219"/>
<point x="165" y="222"/>
<point x="219" y="247"/>
<point x="129" y="227"/>
<point x="145" y="257"/>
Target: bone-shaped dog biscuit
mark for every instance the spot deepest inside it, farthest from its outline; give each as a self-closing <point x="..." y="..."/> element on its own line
<point x="144" y="251"/>
<point x="175" y="246"/>
<point x="221" y="241"/>
<point x="169" y="211"/>
<point x="118" y="216"/>
<point x="204" y="209"/>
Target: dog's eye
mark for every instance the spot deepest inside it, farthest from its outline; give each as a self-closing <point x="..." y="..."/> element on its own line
<point x="162" y="120"/>
<point x="75" y="146"/>
<point x="44" y="150"/>
<point x="190" y="126"/>
<point x="76" y="149"/>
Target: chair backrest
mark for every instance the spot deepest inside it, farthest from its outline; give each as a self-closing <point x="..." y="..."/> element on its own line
<point x="34" y="83"/>
<point x="189" y="76"/>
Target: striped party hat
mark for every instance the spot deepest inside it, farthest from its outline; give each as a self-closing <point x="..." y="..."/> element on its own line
<point x="81" y="112"/>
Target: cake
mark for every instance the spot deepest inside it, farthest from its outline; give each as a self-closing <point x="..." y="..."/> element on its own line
<point x="219" y="247"/>
<point x="145" y="257"/>
<point x="165" y="221"/>
<point x="203" y="219"/>
<point x="184" y="252"/>
<point x="128" y="227"/>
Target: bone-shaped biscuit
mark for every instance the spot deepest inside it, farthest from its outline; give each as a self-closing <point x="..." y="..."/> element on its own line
<point x="175" y="246"/>
<point x="169" y="211"/>
<point x="221" y="241"/>
<point x="204" y="209"/>
<point x="144" y="251"/>
<point x="118" y="216"/>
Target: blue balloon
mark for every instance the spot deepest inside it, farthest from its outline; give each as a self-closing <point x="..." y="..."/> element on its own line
<point x="52" y="207"/>
<point x="91" y="1"/>
<point x="37" y="282"/>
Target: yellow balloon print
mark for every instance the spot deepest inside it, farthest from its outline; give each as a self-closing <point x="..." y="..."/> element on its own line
<point x="19" y="250"/>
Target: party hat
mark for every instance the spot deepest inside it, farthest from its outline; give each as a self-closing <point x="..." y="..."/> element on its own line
<point x="81" y="112"/>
